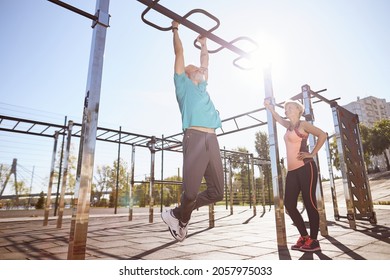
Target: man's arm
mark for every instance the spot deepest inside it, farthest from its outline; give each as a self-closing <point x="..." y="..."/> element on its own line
<point x="204" y="57"/>
<point x="178" y="48"/>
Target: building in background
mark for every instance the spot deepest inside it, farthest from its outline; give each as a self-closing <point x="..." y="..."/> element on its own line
<point x="370" y="110"/>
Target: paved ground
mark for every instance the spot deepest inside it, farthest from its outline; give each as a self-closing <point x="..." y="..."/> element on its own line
<point x="241" y="236"/>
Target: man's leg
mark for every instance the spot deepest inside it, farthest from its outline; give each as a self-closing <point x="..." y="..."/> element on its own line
<point x="195" y="161"/>
<point x="213" y="174"/>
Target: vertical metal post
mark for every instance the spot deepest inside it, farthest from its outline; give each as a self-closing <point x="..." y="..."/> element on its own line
<point x="253" y="198"/>
<point x="131" y="199"/>
<point x="225" y="182"/>
<point x="162" y="173"/>
<point x="80" y="215"/>
<point x="312" y="142"/>
<point x="152" y="148"/>
<point x="263" y="188"/>
<point x="331" y="181"/>
<point x="231" y="186"/>
<point x="118" y="171"/>
<point x="249" y="182"/>
<point x="179" y="190"/>
<point x="50" y="187"/>
<point x="60" y="170"/>
<point x="65" y="175"/>
<point x="277" y="182"/>
<point x="211" y="216"/>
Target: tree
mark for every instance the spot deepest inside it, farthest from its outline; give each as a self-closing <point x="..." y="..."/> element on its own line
<point x="72" y="160"/>
<point x="101" y="186"/>
<point x="262" y="149"/>
<point x="240" y="162"/>
<point x="172" y="192"/>
<point x="121" y="180"/>
<point x="366" y="138"/>
<point x="334" y="153"/>
<point x="380" y="139"/>
<point x="41" y="201"/>
<point x="107" y="179"/>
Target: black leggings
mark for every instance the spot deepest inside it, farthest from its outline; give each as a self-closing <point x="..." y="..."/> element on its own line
<point x="303" y="179"/>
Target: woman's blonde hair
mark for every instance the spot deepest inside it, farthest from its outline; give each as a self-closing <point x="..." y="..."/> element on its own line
<point x="297" y="104"/>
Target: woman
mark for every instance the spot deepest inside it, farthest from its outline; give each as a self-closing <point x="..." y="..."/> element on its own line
<point x="302" y="171"/>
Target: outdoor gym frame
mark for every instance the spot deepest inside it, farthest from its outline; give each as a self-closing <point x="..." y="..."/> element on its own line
<point x="88" y="133"/>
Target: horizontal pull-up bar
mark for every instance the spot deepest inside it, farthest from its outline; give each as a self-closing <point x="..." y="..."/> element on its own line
<point x="153" y="4"/>
<point x="99" y="17"/>
<point x="74" y="9"/>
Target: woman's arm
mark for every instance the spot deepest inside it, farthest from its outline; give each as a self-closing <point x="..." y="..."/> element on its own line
<point x="275" y="115"/>
<point x="317" y="132"/>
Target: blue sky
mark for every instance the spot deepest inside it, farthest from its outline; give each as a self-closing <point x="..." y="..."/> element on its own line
<point x="342" y="46"/>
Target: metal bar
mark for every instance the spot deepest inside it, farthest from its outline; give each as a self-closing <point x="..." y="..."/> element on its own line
<point x="263" y="188"/>
<point x="30" y="121"/>
<point x="277" y="181"/>
<point x="244" y="114"/>
<point x="331" y="180"/>
<point x="16" y="125"/>
<point x="319" y="96"/>
<point x="24" y="132"/>
<point x="131" y="203"/>
<point x="45" y="130"/>
<point x="74" y="9"/>
<point x="101" y="134"/>
<point x="253" y="185"/>
<point x="117" y="172"/>
<point x="64" y="176"/>
<point x="162" y="173"/>
<point x="168" y="13"/>
<point x="113" y="135"/>
<point x="171" y="143"/>
<point x="59" y="171"/>
<point x="151" y="181"/>
<point x="312" y="142"/>
<point x="231" y="186"/>
<point x="249" y="182"/>
<point x="241" y="129"/>
<point x="30" y="127"/>
<point x="49" y="188"/>
<point x="80" y="215"/>
<point x="211" y="216"/>
<point x="225" y="179"/>
<point x="256" y="119"/>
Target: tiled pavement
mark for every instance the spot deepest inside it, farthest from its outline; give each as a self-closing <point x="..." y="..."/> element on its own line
<point x="241" y="236"/>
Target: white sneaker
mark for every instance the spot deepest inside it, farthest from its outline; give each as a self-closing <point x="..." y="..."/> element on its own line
<point x="183" y="230"/>
<point x="174" y="227"/>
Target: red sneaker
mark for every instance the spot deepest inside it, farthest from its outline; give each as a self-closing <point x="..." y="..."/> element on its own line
<point x="311" y="245"/>
<point x="301" y="241"/>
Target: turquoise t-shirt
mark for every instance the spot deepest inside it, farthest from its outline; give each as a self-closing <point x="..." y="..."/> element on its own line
<point x="195" y="104"/>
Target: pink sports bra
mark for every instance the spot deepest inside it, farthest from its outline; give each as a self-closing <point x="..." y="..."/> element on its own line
<point x="296" y="142"/>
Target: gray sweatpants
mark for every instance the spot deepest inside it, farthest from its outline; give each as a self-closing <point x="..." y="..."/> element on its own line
<point x="201" y="158"/>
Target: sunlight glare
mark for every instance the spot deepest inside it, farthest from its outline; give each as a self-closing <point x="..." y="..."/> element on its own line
<point x="268" y="54"/>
